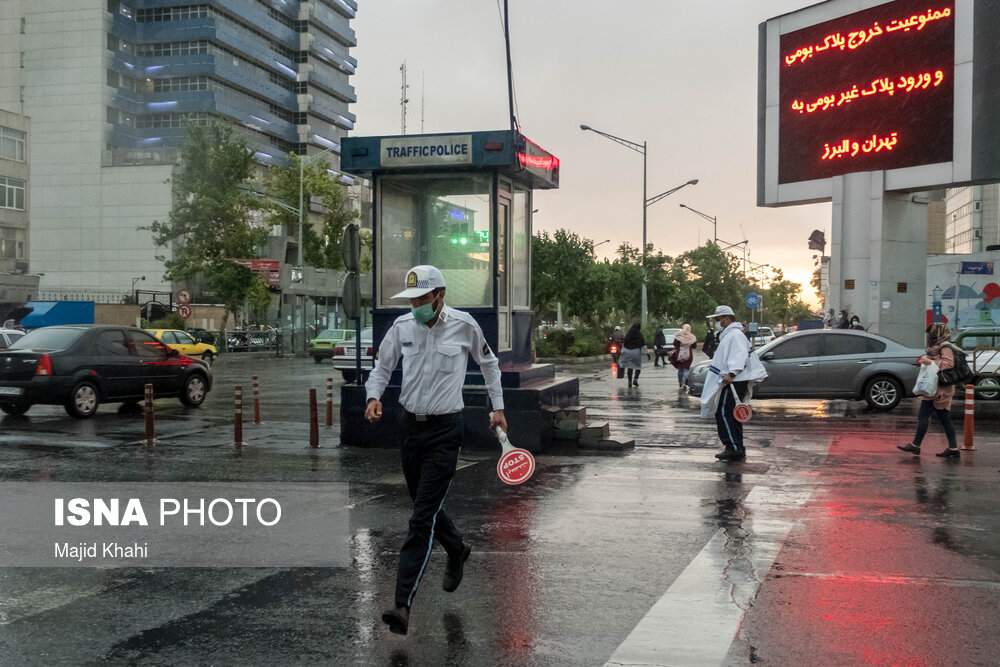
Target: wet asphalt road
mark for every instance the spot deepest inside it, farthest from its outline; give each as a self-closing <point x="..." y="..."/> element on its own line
<point x="826" y="547"/>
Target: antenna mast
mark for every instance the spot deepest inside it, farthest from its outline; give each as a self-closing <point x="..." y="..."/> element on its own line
<point x="422" y="90"/>
<point x="402" y="98"/>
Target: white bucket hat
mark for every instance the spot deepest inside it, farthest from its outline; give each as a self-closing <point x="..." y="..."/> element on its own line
<point x="722" y="310"/>
<point x="419" y="281"/>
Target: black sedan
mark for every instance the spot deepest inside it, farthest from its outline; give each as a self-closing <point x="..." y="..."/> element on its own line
<point x="82" y="366"/>
<point x="832" y="363"/>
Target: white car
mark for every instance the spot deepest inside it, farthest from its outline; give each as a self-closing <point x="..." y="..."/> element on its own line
<point x="8" y="336"/>
<point x="763" y="336"/>
<point x="982" y="349"/>
<point x="669" y="335"/>
<point x="345" y="356"/>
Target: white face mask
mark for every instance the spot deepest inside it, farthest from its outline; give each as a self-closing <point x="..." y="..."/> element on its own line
<point x="718" y="325"/>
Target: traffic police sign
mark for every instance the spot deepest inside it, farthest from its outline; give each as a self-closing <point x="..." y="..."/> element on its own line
<point x="752" y="300"/>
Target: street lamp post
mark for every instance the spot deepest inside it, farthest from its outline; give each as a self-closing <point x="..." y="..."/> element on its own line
<point x="135" y="293"/>
<point x="710" y="218"/>
<point x="646" y="203"/>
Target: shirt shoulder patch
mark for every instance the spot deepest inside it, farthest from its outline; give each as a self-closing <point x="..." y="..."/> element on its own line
<point x="486" y="350"/>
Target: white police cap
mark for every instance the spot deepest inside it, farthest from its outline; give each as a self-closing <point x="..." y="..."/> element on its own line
<point x="419" y="281"/>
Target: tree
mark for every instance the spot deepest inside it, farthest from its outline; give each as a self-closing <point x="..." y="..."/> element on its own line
<point x="320" y="249"/>
<point x="783" y="300"/>
<point x="562" y="273"/>
<point x="211" y="222"/>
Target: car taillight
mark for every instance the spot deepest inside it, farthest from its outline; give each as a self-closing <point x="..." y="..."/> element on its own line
<point x="614" y="348"/>
<point x="368" y="351"/>
<point x="44" y="366"/>
<point x="339" y="351"/>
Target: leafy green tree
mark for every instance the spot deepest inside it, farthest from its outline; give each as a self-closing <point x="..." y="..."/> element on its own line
<point x="562" y="273"/>
<point x="211" y="221"/>
<point x="321" y="248"/>
<point x="783" y="302"/>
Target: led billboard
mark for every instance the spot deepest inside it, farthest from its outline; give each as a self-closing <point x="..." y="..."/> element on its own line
<point x="867" y="91"/>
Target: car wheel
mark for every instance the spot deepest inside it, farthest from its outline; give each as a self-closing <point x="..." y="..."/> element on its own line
<point x="83" y="400"/>
<point x="988" y="382"/>
<point x="194" y="391"/>
<point x="318" y="360"/>
<point x="15" y="409"/>
<point x="349" y="376"/>
<point x="883" y="392"/>
<point x="208" y="358"/>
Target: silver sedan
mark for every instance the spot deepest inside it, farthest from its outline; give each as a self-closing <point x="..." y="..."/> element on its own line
<point x="832" y="363"/>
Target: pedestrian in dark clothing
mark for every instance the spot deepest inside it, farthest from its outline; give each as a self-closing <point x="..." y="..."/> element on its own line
<point x="856" y="323"/>
<point x="685" y="343"/>
<point x="844" y="322"/>
<point x="633" y="347"/>
<point x="708" y="347"/>
<point x="433" y="341"/>
<point x="941" y="352"/>
<point x="659" y="348"/>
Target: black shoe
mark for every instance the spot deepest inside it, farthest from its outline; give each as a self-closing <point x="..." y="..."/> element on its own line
<point x="455" y="570"/>
<point x="728" y="455"/>
<point x="948" y="453"/>
<point x="635" y="384"/>
<point x="909" y="448"/>
<point x="397" y="619"/>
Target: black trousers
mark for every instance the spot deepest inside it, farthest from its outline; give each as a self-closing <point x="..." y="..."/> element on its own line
<point x="430" y="455"/>
<point x="730" y="431"/>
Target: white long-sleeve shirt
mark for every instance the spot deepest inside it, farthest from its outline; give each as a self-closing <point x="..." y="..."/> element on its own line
<point x="735" y="355"/>
<point x="434" y="362"/>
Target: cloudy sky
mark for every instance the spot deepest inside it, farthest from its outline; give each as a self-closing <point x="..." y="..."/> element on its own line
<point x="680" y="75"/>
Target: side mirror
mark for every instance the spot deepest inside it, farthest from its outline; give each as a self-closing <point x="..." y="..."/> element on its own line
<point x="767" y="356"/>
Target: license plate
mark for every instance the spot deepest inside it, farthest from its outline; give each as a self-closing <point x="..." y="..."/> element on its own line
<point x="10" y="391"/>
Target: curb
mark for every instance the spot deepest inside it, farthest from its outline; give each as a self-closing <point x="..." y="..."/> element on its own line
<point x="573" y="360"/>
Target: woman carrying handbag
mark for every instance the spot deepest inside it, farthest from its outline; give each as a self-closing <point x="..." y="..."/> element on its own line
<point x="940" y="352"/>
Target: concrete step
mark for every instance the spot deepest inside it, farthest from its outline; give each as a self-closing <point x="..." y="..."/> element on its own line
<point x="592" y="434"/>
<point x="571" y="417"/>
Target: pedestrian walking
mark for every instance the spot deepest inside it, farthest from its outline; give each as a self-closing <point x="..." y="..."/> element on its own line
<point x="434" y="342"/>
<point x="940" y="351"/>
<point x="633" y="347"/>
<point x="659" y="347"/>
<point x="735" y="365"/>
<point x="708" y="347"/>
<point x="685" y="343"/>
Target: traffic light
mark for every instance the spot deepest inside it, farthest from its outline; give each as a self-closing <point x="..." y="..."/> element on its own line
<point x="459" y="234"/>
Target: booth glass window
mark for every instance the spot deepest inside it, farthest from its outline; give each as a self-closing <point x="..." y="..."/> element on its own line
<point x="439" y="220"/>
<point x="520" y="246"/>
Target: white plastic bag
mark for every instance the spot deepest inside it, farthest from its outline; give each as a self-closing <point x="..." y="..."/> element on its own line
<point x="927" y="380"/>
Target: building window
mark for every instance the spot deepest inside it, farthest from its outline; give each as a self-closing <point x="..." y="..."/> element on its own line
<point x="11" y="193"/>
<point x="12" y="144"/>
<point x="182" y="13"/>
<point x="849" y="283"/>
<point x="180" y="84"/>
<point x="159" y="120"/>
<point x="173" y="49"/>
<point x="12" y="243"/>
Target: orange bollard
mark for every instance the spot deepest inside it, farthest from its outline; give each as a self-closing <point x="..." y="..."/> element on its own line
<point x="970" y="418"/>
<point x="256" y="402"/>
<point x="150" y="432"/>
<point x="238" y="417"/>
<point x="313" y="420"/>
<point x="329" y="401"/>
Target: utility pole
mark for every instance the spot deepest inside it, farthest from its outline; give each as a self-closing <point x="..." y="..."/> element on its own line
<point x="402" y="98"/>
<point x="422" y="91"/>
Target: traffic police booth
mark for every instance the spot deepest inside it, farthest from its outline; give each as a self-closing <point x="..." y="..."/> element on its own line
<point x="461" y="202"/>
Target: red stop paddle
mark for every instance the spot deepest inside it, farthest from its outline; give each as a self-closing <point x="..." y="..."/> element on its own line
<point x="516" y="465"/>
<point x="742" y="411"/>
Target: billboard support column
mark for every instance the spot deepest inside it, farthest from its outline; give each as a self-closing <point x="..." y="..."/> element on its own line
<point x="878" y="254"/>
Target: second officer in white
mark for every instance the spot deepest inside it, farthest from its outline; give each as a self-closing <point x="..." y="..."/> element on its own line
<point x="434" y="342"/>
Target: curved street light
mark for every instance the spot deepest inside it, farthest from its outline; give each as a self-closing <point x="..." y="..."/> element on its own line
<point x="646" y="202"/>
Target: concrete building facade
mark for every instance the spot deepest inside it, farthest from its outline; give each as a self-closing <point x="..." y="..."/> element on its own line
<point x="110" y="86"/>
<point x="972" y="218"/>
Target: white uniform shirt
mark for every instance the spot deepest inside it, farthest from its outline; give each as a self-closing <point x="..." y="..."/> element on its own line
<point x="434" y="362"/>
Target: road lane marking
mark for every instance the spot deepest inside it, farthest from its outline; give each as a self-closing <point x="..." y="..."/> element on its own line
<point x="686" y="623"/>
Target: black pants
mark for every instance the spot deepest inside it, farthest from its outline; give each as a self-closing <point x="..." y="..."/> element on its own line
<point x="923" y="421"/>
<point x="730" y="431"/>
<point x="430" y="455"/>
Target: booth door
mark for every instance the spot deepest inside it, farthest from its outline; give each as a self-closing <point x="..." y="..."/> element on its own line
<point x="503" y="274"/>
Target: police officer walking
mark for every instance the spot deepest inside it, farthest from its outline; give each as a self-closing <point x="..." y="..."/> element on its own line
<point x="734" y="366"/>
<point x="434" y="342"/>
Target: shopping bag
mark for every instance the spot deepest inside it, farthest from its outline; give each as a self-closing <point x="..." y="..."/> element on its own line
<point x="741" y="411"/>
<point x="927" y="380"/>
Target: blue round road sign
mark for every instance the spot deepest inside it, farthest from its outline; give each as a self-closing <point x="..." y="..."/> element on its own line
<point x="753" y="300"/>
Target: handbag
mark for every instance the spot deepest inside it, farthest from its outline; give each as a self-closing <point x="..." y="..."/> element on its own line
<point x="960" y="373"/>
<point x="927" y="380"/>
<point x="621" y="371"/>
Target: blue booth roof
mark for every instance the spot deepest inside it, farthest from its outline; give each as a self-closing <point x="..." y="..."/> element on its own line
<point x="507" y="151"/>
